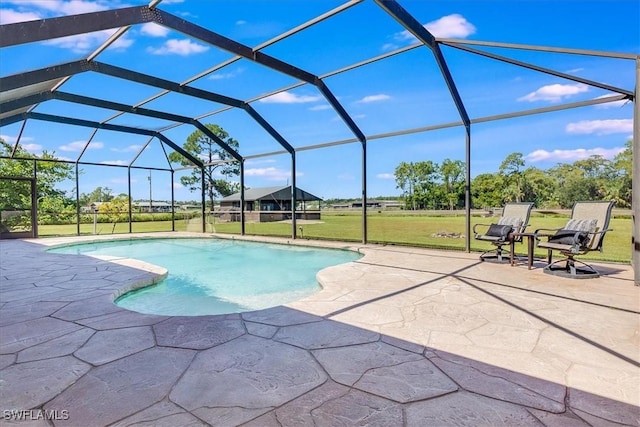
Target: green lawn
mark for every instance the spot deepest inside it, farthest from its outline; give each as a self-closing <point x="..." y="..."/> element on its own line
<point x="383" y="227"/>
<point x="104" y="228"/>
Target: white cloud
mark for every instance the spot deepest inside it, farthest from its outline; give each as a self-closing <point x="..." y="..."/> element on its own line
<point x="389" y="46"/>
<point x="32" y="148"/>
<point x="129" y="149"/>
<point x="252" y="162"/>
<point x="79" y="145"/>
<point x="46" y="8"/>
<point x="287" y="97"/>
<point x="572" y="155"/>
<point x="241" y="22"/>
<point x="385" y="176"/>
<point x="337" y="118"/>
<point x="114" y="162"/>
<point x="74" y="7"/>
<point x="601" y="127"/>
<point x="154" y="30"/>
<point x="177" y="185"/>
<point x="8" y="16"/>
<point x="25" y="143"/>
<point x="120" y="180"/>
<point x="205" y="157"/>
<point x="613" y="104"/>
<point x="12" y="139"/>
<point x="182" y="47"/>
<point x="223" y="76"/>
<point x="373" y="98"/>
<point x="271" y="173"/>
<point x="454" y="25"/>
<point x="555" y="92"/>
<point x="62" y="7"/>
<point x="122" y="43"/>
<point x="83" y="43"/>
<point x="320" y="107"/>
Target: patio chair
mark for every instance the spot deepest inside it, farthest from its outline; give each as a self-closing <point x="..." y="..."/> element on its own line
<point x="514" y="219"/>
<point x="583" y="233"/>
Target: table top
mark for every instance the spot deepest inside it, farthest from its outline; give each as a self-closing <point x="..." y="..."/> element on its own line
<point x="527" y="234"/>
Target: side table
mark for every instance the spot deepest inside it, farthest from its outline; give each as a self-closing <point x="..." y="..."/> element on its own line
<point x="531" y="240"/>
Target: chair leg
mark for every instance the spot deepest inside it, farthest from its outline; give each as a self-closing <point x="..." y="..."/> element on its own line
<point x="570" y="270"/>
<point x="496" y="255"/>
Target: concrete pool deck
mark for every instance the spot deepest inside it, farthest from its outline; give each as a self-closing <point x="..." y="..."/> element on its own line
<point x="402" y="337"/>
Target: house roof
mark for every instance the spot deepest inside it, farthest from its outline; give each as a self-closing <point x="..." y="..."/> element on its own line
<point x="274" y="193"/>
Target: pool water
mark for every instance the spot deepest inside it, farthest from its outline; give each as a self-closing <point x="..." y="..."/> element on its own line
<point x="217" y="276"/>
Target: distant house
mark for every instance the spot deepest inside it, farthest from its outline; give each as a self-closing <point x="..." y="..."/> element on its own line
<point x="155" y="206"/>
<point x="266" y="204"/>
<point x="390" y="204"/>
<point x="93" y="207"/>
<point x="376" y="204"/>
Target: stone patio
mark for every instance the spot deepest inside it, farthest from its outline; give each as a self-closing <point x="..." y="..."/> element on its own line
<point x="401" y="337"/>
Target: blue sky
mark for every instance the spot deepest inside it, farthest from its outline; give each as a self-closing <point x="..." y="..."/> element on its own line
<point x="403" y="92"/>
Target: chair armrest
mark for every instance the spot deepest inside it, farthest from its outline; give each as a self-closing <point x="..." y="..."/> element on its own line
<point x="545" y="232"/>
<point x="479" y="225"/>
<point x="601" y="231"/>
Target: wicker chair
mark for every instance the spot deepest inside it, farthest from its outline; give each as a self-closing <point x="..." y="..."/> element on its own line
<point x="514" y="219"/>
<point x="583" y="233"/>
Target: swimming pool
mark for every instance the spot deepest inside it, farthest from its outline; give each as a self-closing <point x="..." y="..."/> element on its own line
<point x="218" y="276"/>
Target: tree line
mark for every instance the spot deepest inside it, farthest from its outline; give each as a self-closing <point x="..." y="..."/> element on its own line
<point x="424" y="185"/>
<point x="429" y="185"/>
<point x="16" y="194"/>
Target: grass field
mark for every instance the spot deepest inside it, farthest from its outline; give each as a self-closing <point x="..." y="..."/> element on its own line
<point x="383" y="227"/>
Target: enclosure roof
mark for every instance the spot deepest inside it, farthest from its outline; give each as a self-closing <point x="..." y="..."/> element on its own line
<point x="310" y="70"/>
<point x="271" y="193"/>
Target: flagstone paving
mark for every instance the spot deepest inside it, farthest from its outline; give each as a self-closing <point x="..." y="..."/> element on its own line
<point x="401" y="337"/>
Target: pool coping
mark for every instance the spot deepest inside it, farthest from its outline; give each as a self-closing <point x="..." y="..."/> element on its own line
<point x="162" y="272"/>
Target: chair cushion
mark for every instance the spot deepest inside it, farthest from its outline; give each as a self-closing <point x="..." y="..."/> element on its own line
<point x="588" y="225"/>
<point x="569" y="237"/>
<point x="498" y="230"/>
<point x="514" y="221"/>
